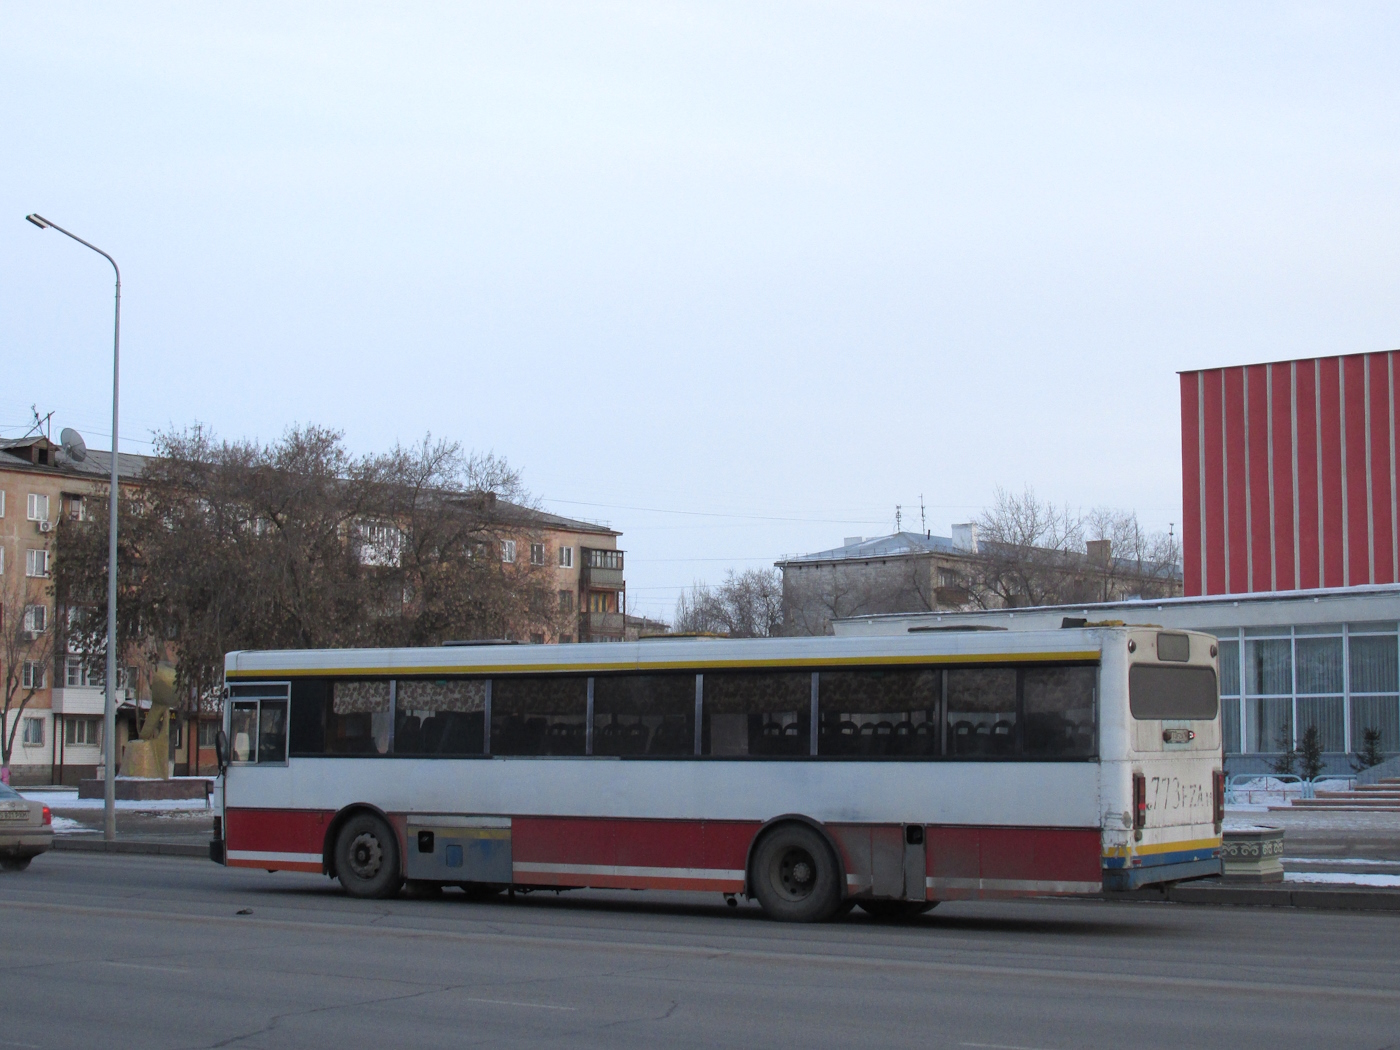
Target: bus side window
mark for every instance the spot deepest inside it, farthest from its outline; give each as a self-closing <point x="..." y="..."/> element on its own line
<point x="982" y="713"/>
<point x="307" y="731"/>
<point x="756" y="713"/>
<point x="1059" y="712"/>
<point x="272" y="731"/>
<point x="535" y="715"/>
<point x="357" y="718"/>
<point x="644" y="714"/>
<point x="879" y="714"/>
<point x="444" y="717"/>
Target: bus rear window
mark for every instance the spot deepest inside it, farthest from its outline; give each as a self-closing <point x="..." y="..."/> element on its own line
<point x="1172" y="692"/>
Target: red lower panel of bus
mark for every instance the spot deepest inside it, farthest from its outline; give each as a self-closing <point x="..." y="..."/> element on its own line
<point x="959" y="863"/>
<point x="276" y="839"/>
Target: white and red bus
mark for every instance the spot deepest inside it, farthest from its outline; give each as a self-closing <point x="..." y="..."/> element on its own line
<point x="813" y="774"/>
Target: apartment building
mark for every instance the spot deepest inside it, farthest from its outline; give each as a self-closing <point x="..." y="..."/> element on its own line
<point x="60" y="733"/>
<point x="590" y="580"/>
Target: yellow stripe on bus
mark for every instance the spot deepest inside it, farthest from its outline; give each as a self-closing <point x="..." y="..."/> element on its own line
<point x="1178" y="847"/>
<point x="677" y="665"/>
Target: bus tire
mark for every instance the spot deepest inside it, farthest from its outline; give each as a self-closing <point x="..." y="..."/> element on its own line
<point x="367" y="857"/>
<point x="795" y="876"/>
<point x="895" y="911"/>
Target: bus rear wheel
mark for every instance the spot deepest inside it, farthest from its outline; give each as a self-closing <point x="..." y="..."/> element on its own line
<point x="895" y="911"/>
<point x="794" y="875"/>
<point x="367" y="857"/>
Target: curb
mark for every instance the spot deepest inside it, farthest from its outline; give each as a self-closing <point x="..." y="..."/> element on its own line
<point x="1360" y="898"/>
<point x="139" y="846"/>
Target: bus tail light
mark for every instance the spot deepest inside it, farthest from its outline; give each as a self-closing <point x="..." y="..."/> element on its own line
<point x="1219" y="796"/>
<point x="1139" y="801"/>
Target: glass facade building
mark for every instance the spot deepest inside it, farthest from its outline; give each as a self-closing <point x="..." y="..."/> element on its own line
<point x="1276" y="682"/>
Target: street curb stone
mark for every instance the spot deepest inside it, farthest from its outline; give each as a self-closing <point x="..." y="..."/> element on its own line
<point x="1329" y="898"/>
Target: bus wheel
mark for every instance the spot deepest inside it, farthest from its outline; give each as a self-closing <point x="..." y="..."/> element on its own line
<point x="794" y="875"/>
<point x="367" y="857"/>
<point x="895" y="911"/>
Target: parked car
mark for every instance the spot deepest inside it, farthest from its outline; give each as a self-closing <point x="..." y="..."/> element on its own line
<point x="26" y="829"/>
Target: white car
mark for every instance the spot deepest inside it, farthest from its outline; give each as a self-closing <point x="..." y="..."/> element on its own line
<point x="26" y="829"/>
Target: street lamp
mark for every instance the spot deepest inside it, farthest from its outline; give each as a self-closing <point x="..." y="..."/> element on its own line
<point x="109" y="710"/>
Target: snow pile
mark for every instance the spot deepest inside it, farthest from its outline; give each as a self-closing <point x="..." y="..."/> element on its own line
<point x="1343" y="878"/>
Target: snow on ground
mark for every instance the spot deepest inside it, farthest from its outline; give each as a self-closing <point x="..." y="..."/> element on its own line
<point x="1343" y="862"/>
<point x="1343" y="878"/>
<point x="69" y="800"/>
<point x="69" y="826"/>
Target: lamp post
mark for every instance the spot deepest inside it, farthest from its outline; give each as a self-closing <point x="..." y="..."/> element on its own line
<point x="109" y="709"/>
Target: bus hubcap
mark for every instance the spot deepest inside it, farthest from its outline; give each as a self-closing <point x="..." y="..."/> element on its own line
<point x="366" y="855"/>
<point x="797" y="872"/>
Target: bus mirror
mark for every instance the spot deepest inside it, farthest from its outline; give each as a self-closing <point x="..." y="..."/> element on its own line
<point x="221" y="750"/>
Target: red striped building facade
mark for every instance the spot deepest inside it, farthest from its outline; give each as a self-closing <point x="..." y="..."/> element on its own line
<point x="1289" y="475"/>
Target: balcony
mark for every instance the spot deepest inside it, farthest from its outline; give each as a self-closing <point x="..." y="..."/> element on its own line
<point x="601" y="569"/>
<point x="598" y="625"/>
<point x="79" y="700"/>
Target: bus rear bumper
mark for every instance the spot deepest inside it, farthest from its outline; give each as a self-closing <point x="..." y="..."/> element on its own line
<point x="1160" y="868"/>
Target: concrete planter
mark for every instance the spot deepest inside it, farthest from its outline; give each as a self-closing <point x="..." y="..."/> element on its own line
<point x="1252" y="854"/>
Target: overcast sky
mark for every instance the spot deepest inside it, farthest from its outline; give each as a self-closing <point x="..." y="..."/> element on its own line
<point x="737" y="279"/>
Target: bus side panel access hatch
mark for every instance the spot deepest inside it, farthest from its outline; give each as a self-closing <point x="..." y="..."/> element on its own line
<point x="452" y="848"/>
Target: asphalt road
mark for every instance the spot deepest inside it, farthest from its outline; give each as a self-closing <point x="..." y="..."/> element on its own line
<point x="152" y="952"/>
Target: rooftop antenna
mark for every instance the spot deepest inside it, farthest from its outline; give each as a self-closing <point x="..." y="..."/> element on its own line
<point x="898" y="518"/>
<point x="41" y="425"/>
<point x="923" y="522"/>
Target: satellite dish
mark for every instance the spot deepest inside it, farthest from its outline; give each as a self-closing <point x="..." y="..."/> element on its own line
<point x="74" y="447"/>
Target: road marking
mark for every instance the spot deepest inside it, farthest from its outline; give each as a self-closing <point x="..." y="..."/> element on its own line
<point x="1001" y="1046"/>
<point x="507" y="1002"/>
<point x="1221" y="986"/>
<point x="30" y="1046"/>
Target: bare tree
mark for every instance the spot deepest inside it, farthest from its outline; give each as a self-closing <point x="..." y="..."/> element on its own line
<point x="298" y="544"/>
<point x="746" y="605"/>
<point x="1034" y="553"/>
<point x="26" y="649"/>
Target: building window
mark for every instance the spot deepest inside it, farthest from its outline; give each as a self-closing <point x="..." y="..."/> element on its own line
<point x="537" y="639"/>
<point x="38" y="507"/>
<point x="537" y="554"/>
<point x="36" y="562"/>
<point x="598" y="601"/>
<point x="81" y="731"/>
<point x="566" y="601"/>
<point x="566" y="557"/>
<point x="207" y="733"/>
<point x="949" y="578"/>
<point x="566" y="639"/>
<point x="2" y="503"/>
<point x="77" y="508"/>
<point x="33" y="732"/>
<point x="2" y="561"/>
<point x="508" y="550"/>
<point x="36" y="619"/>
<point x="1339" y="680"/>
<point x="32" y="675"/>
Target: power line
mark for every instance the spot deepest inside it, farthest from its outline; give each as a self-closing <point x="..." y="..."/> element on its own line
<point x="751" y="517"/>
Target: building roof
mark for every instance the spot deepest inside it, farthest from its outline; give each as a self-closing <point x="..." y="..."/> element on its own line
<point x="1261" y="608"/>
<point x="17" y="454"/>
<point x="900" y="544"/>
